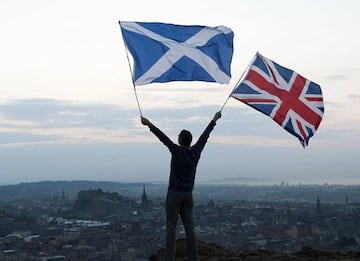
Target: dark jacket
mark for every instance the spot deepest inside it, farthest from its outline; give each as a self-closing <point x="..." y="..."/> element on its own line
<point x="184" y="160"/>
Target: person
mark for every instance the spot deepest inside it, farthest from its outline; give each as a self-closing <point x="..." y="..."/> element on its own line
<point x="179" y="198"/>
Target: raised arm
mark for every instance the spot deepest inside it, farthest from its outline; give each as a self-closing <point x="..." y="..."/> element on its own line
<point x="158" y="133"/>
<point x="205" y="135"/>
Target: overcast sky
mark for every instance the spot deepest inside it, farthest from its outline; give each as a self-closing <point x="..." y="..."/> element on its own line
<point x="68" y="111"/>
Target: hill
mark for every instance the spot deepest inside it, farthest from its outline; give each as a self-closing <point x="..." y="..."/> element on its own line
<point x="46" y="189"/>
<point x="213" y="252"/>
<point x="99" y="204"/>
<point x="205" y="192"/>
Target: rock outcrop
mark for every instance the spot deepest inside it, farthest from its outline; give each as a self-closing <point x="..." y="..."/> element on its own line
<point x="213" y="252"/>
<point x="98" y="204"/>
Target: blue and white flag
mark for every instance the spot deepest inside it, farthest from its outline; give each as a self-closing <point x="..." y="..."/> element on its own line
<point x="168" y="52"/>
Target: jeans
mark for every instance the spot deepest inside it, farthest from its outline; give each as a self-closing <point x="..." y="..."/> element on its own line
<point x="180" y="203"/>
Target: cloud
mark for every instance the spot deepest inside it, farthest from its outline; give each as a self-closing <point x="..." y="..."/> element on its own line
<point x="254" y="141"/>
<point x="176" y="96"/>
<point x="72" y="135"/>
<point x="354" y="97"/>
<point x="343" y="117"/>
<point x="46" y="121"/>
<point x="19" y="123"/>
<point x="50" y="121"/>
<point x="336" y="77"/>
<point x="54" y="113"/>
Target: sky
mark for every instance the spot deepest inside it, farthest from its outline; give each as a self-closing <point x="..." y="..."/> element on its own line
<point x="68" y="109"/>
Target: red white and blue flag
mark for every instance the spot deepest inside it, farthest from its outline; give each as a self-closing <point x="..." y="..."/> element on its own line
<point x="291" y="100"/>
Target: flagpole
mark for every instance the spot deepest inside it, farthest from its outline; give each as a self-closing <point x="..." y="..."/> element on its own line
<point x="237" y="83"/>
<point x="222" y="107"/>
<point x="131" y="73"/>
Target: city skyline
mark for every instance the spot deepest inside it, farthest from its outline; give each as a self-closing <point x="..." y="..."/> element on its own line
<point x="113" y="225"/>
<point x="68" y="110"/>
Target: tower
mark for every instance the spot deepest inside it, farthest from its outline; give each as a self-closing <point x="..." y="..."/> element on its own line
<point x="144" y="196"/>
<point x="288" y="213"/>
<point x="346" y="199"/>
<point x="346" y="208"/>
<point x="62" y="195"/>
<point x="318" y="205"/>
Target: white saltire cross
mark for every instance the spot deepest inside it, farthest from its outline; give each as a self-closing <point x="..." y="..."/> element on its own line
<point x="178" y="50"/>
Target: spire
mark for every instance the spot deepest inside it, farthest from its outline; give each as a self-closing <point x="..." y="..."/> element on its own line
<point x="144" y="196"/>
<point x="62" y="195"/>
<point x="288" y="213"/>
<point x="346" y="208"/>
<point x="318" y="205"/>
<point x="346" y="199"/>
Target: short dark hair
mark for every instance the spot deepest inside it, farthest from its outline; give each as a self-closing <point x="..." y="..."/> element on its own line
<point x="185" y="138"/>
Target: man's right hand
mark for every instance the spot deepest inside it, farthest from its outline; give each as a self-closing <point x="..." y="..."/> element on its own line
<point x="145" y="121"/>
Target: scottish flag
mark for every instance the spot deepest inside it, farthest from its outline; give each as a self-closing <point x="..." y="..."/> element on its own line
<point x="168" y="52"/>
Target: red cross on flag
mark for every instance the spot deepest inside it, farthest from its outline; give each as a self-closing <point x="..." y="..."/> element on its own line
<point x="291" y="100"/>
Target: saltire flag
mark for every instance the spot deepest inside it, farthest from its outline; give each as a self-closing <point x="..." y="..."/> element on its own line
<point x="167" y="52"/>
<point x="291" y="100"/>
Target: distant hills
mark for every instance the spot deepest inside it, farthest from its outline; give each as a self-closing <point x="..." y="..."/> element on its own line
<point x="221" y="189"/>
<point x="237" y="181"/>
<point x="47" y="189"/>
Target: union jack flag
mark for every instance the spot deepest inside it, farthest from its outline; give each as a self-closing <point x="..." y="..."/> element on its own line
<point x="291" y="100"/>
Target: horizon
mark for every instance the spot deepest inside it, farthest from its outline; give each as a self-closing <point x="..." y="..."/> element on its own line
<point x="201" y="183"/>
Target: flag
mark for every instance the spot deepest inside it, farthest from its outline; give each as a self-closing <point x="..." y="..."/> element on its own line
<point x="168" y="52"/>
<point x="291" y="100"/>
